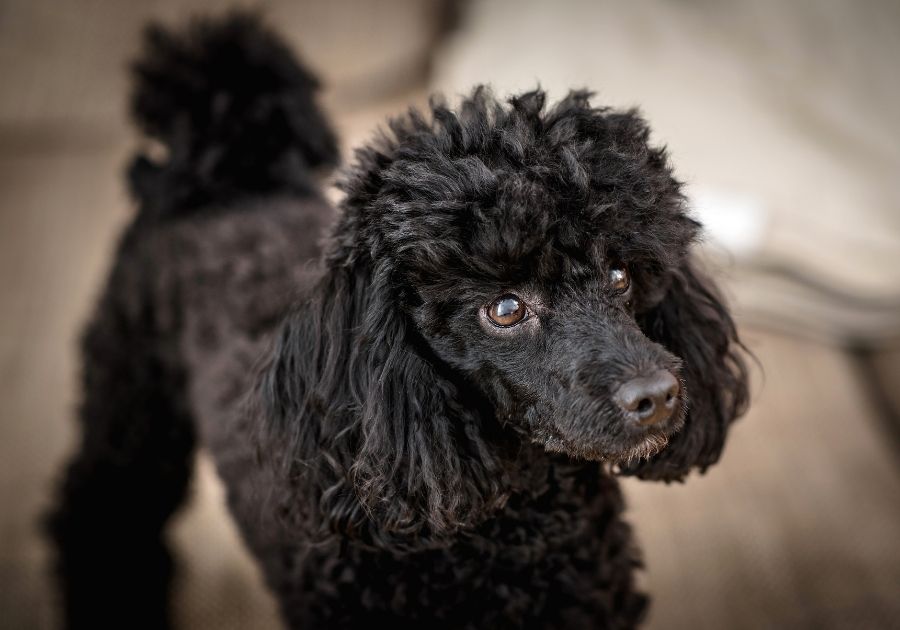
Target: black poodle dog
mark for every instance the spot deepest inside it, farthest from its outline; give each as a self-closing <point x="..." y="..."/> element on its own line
<point x="419" y="417"/>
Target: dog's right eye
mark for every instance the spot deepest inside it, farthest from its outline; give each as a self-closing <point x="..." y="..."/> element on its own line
<point x="619" y="277"/>
<point x="507" y="310"/>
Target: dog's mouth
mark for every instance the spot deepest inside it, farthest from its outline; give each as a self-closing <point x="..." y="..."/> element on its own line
<point x="644" y="448"/>
<point x="630" y="443"/>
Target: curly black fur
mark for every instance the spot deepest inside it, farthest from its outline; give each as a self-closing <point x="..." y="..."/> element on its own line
<point x="233" y="109"/>
<point x="389" y="454"/>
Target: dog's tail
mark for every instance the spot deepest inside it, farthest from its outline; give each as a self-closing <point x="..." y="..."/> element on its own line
<point x="235" y="112"/>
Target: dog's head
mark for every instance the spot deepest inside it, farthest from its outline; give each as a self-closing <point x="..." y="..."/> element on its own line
<point x="502" y="273"/>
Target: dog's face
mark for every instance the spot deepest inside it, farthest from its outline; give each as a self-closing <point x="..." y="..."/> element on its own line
<point x="533" y="248"/>
<point x="504" y="266"/>
<point x="557" y="347"/>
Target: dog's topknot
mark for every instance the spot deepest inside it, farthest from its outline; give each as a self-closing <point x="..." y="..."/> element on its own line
<point x="497" y="185"/>
<point x="235" y="111"/>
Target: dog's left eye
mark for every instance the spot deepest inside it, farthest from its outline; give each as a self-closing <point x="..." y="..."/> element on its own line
<point x="619" y="278"/>
<point x="507" y="310"/>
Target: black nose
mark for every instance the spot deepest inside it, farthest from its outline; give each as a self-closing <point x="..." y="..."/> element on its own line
<point x="649" y="399"/>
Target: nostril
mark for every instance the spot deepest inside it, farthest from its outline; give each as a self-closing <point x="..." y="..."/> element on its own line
<point x="644" y="406"/>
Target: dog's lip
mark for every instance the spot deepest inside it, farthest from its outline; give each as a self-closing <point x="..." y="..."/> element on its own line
<point x="647" y="439"/>
<point x="645" y="446"/>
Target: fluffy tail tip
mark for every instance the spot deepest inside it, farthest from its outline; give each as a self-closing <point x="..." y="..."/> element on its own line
<point x="235" y="110"/>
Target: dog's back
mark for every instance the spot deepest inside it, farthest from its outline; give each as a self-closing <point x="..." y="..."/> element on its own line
<point x="227" y="233"/>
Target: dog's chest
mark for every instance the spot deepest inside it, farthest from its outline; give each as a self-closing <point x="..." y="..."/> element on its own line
<point x="534" y="561"/>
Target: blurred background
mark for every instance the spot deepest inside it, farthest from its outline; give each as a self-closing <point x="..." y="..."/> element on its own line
<point x="783" y="119"/>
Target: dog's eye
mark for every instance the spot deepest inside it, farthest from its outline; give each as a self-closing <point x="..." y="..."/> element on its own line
<point x="507" y="310"/>
<point x="619" y="278"/>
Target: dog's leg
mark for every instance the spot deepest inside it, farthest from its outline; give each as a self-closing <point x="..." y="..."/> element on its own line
<point x="130" y="473"/>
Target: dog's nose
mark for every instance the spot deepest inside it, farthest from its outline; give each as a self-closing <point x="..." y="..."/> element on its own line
<point x="649" y="399"/>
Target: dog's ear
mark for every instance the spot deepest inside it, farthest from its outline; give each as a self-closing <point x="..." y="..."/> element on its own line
<point x="693" y="323"/>
<point x="368" y="424"/>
